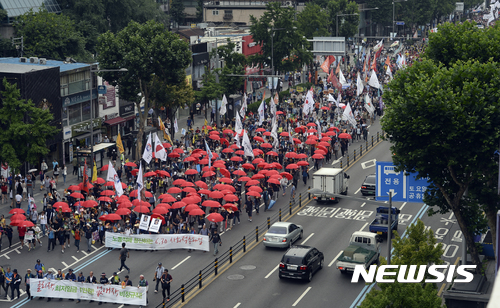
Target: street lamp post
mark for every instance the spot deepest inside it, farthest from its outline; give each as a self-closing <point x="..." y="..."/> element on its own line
<point x="393" y="13"/>
<point x="92" y="111"/>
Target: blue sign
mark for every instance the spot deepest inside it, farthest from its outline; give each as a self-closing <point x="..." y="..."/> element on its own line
<point x="400" y="23"/>
<point x="101" y="89"/>
<point x="404" y="188"/>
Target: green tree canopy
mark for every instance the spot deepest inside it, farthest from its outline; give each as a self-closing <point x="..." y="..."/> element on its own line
<point x="177" y="12"/>
<point x="153" y="56"/>
<point x="290" y="48"/>
<point x="234" y="64"/>
<point x="418" y="248"/>
<point x="50" y="35"/>
<point x="311" y="21"/>
<point x="24" y="128"/>
<point x="445" y="125"/>
<point x="348" y="25"/>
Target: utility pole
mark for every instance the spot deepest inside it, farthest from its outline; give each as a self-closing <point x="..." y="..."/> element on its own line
<point x="389" y="229"/>
<point x="217" y="117"/>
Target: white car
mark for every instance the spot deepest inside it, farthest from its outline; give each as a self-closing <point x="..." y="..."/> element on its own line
<point x="283" y="235"/>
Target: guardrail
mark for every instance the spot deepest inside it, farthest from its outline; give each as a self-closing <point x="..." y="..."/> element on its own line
<point x="210" y="272"/>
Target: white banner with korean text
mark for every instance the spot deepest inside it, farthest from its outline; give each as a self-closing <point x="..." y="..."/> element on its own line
<point x="88" y="291"/>
<point x="158" y="241"/>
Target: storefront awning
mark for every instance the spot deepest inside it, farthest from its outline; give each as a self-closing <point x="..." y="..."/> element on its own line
<point x="114" y="121"/>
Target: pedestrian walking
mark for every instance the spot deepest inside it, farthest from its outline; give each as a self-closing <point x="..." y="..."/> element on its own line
<point x="158" y="272"/>
<point x="52" y="238"/>
<point x="77" y="237"/>
<point x="8" y="281"/>
<point x="124" y="254"/>
<point x="88" y="236"/>
<point x="64" y="172"/>
<point x="15" y="283"/>
<point x="166" y="279"/>
<point x="216" y="241"/>
<point x="249" y="208"/>
<point x="143" y="283"/>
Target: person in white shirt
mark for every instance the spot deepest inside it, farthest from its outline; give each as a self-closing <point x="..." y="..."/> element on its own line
<point x="19" y="199"/>
<point x="43" y="221"/>
<point x="158" y="272"/>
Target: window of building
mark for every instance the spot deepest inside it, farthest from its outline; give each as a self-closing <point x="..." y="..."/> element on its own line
<point x="75" y="114"/>
<point x="85" y="111"/>
<point x="64" y="116"/>
<point x="215" y="12"/>
<point x="228" y="12"/>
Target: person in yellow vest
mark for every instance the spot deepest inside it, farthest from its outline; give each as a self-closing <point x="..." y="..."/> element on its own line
<point x="160" y="186"/>
<point x="148" y="185"/>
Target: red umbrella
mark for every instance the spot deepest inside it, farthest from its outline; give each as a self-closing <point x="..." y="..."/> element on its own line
<point x="260" y="130"/>
<point x="311" y="124"/>
<point x="272" y="172"/>
<point x="140" y="209"/>
<point x="160" y="210"/>
<point x="201" y="184"/>
<point x="109" y="183"/>
<point x="231" y="206"/>
<point x="187" y="184"/>
<point x="258" y="176"/>
<point x="300" y="129"/>
<point x="107" y="193"/>
<point x="174" y="190"/>
<point x="203" y="162"/>
<point x="17" y="217"/>
<point x="310" y="141"/>
<point x="345" y="136"/>
<point x="244" y="179"/>
<point x="214" y="137"/>
<point x="277" y="165"/>
<point x="252" y="182"/>
<point x="276" y="177"/>
<point x="190" y="172"/>
<point x="150" y="173"/>
<point x="103" y="217"/>
<point x="219" y="164"/>
<point x="164" y="205"/>
<point x="25" y="224"/>
<point x="320" y="152"/>
<point x="90" y="203"/>
<point x="211" y="203"/>
<point x="266" y="145"/>
<point x="215" y="217"/>
<point x="163" y="173"/>
<point x="257" y="161"/>
<point x="239" y="172"/>
<point x="236" y="158"/>
<point x="168" y="198"/>
<point x="273" y="181"/>
<point x="231" y="198"/>
<point x="301" y="156"/>
<point x="292" y="166"/>
<point x="267" y="133"/>
<point x="272" y="153"/>
<point x="257" y="152"/>
<point x="214" y="132"/>
<point x="297" y="141"/>
<point x="258" y="138"/>
<point x="228" y="150"/>
<point x="178" y="204"/>
<point x="324" y="143"/>
<point x="326" y="139"/>
<point x="208" y="173"/>
<point x="60" y="205"/>
<point x="226" y="180"/>
<point x="167" y="145"/>
<point x="204" y="191"/>
<point x="189" y="190"/>
<point x="318" y="156"/>
<point x="178" y="182"/>
<point x="287" y="175"/>
<point x="302" y="163"/>
<point x="75" y="187"/>
<point x="105" y="167"/>
<point x="131" y="164"/>
<point x="134" y="172"/>
<point x="174" y="155"/>
<point x="191" y="207"/>
<point x="248" y="166"/>
<point x="196" y="212"/>
<point x="279" y="112"/>
<point x="333" y="128"/>
<point x="125" y="204"/>
<point x="325" y="108"/>
<point x="113" y="217"/>
<point x="122" y="211"/>
<point x="77" y="195"/>
<point x="330" y="133"/>
<point x="190" y="158"/>
<point x="255" y="188"/>
<point x="17" y="211"/>
<point x="312" y="130"/>
<point x="189" y="200"/>
<point x="138" y="202"/>
<point x="253" y="193"/>
<point x="216" y="195"/>
<point x="240" y="152"/>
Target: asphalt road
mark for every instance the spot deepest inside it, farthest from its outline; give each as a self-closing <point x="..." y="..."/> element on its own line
<point x="326" y="226"/>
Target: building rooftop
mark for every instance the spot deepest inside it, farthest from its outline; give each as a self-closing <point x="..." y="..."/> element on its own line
<point x="16" y="8"/>
<point x="27" y="66"/>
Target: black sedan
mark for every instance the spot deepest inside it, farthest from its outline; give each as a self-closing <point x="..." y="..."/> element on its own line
<point x="368" y="186"/>
<point x="301" y="262"/>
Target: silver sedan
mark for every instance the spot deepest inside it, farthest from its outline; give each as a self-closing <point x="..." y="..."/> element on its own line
<point x="283" y="234"/>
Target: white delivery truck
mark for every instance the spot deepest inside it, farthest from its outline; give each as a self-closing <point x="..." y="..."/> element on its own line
<point x="329" y="181"/>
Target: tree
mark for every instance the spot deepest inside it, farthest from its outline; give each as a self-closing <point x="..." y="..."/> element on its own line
<point x="444" y="123"/>
<point x="311" y="21"/>
<point x="233" y="65"/>
<point x="418" y="248"/>
<point x="417" y="12"/>
<point x="199" y="11"/>
<point x="153" y="56"/>
<point x="290" y="48"/>
<point x="50" y="35"/>
<point x="24" y="128"/>
<point x="211" y="90"/>
<point x="348" y="25"/>
<point x="177" y="12"/>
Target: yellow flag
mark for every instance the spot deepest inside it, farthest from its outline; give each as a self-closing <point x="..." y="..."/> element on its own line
<point x="119" y="144"/>
<point x="94" y="171"/>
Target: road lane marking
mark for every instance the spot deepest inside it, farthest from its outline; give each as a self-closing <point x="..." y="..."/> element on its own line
<point x="402" y="206"/>
<point x="271" y="272"/>
<point x="64" y="263"/>
<point x="366" y="224"/>
<point x="11" y="246"/>
<point x="357" y="191"/>
<point x="237" y="305"/>
<point x="6" y="256"/>
<point x="369" y="164"/>
<point x="303" y="294"/>
<point x="75" y="258"/>
<point x="181" y="262"/>
<point x="17" y="251"/>
<point x="121" y="306"/>
<point x="86" y="254"/>
<point x="304" y="241"/>
<point x="335" y="259"/>
<point x="363" y="204"/>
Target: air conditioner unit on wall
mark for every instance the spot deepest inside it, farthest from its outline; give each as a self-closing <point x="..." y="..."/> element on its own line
<point x="43" y="61"/>
<point x="23" y="60"/>
<point x="34" y="60"/>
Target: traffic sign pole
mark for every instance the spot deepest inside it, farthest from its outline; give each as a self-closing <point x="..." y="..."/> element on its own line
<point x="389" y="230"/>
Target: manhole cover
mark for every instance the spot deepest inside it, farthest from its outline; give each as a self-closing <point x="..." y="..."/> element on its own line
<point x="235" y="277"/>
<point x="248" y="267"/>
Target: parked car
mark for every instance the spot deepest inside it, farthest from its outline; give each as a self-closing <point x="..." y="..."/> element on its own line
<point x="301" y="262"/>
<point x="283" y="234"/>
<point x="368" y="186"/>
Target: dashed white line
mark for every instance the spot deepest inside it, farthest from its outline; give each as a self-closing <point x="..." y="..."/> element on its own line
<point x="75" y="258"/>
<point x="304" y="241"/>
<point x="366" y="224"/>
<point x="335" y="259"/>
<point x="64" y="263"/>
<point x="303" y="294"/>
<point x="357" y="191"/>
<point x="18" y="252"/>
<point x="402" y="206"/>
<point x="271" y="272"/>
<point x="6" y="256"/>
<point x="237" y="305"/>
<point x="363" y="204"/>
<point x="181" y="262"/>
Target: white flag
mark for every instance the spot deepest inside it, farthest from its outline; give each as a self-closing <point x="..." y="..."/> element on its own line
<point x="330" y="98"/>
<point x="273" y="103"/>
<point x="247" y="145"/>
<point x="238" y="126"/>
<point x="237" y="139"/>
<point x="160" y="152"/>
<point x="261" y="112"/>
<point x="209" y="155"/>
<point x="378" y="46"/>
<point x="140" y="181"/>
<point x="388" y="72"/>
<point x="319" y="129"/>
<point x="309" y="104"/>
<point x="244" y="106"/>
<point x="290" y="135"/>
<point x="359" y="85"/>
<point x="176" y="128"/>
<point x="148" y="150"/>
<point x="368" y="105"/>
<point x="112" y="176"/>
<point x="274" y="134"/>
<point x="223" y="105"/>
<point x="374" y="80"/>
<point x="342" y="80"/>
<point x="348" y="116"/>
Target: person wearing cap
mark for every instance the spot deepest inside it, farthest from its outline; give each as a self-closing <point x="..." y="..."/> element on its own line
<point x="71" y="277"/>
<point x="166" y="279"/>
<point x="158" y="272"/>
<point x="27" y="278"/>
<point x="144" y="283"/>
<point x="103" y="280"/>
<point x="39" y="266"/>
<point x="115" y="279"/>
<point x="16" y="282"/>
